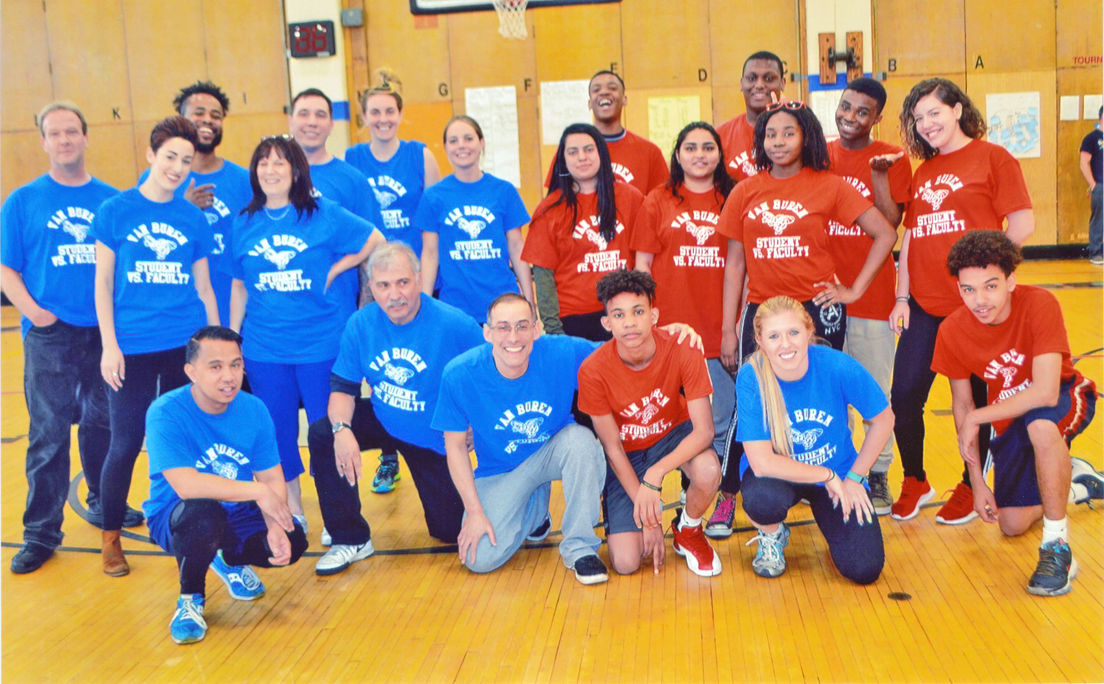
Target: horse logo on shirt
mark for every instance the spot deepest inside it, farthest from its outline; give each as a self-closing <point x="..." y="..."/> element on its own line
<point x="397" y="374"/>
<point x="384" y="198"/>
<point x="648" y="413"/>
<point x="777" y="222"/>
<point x="934" y="197"/>
<point x="473" y="227"/>
<point x="700" y="233"/>
<point x="529" y="428"/>
<point x="281" y="258"/>
<point x="77" y="230"/>
<point x="225" y="469"/>
<point x="160" y="246"/>
<point x="806" y="438"/>
<point x="1009" y="374"/>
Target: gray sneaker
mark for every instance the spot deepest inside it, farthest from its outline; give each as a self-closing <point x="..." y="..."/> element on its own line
<point x="341" y="556"/>
<point x="879" y="493"/>
<point x="770" y="559"/>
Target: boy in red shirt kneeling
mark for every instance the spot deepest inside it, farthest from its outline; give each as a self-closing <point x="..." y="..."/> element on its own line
<point x="649" y="400"/>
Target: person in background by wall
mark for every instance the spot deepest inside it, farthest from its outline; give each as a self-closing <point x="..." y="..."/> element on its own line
<point x="761" y="83"/>
<point x="1090" y="163"/>
<point x="47" y="269"/>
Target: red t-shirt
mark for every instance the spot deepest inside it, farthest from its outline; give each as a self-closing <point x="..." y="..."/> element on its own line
<point x="575" y="252"/>
<point x="973" y="188"/>
<point x="636" y="161"/>
<point x="1002" y="354"/>
<point x="783" y="224"/>
<point x="738" y="143"/>
<point x="849" y="244"/>
<point x="645" y="403"/>
<point x="689" y="258"/>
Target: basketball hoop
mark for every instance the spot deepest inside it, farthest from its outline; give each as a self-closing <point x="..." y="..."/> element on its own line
<point x="511" y="18"/>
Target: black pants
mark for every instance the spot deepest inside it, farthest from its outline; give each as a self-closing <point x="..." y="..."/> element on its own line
<point x="200" y="527"/>
<point x="587" y="326"/>
<point x="912" y="381"/>
<point x="340" y="502"/>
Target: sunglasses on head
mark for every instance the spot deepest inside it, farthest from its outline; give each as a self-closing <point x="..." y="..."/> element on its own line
<point x="792" y="105"/>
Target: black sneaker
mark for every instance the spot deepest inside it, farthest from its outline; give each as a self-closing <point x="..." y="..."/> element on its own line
<point x="1055" y="570"/>
<point x="540" y="532"/>
<point x="131" y="516"/>
<point x="591" y="570"/>
<point x="30" y="558"/>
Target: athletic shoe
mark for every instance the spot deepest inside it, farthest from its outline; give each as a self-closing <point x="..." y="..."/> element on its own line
<point x="879" y="493"/>
<point x="188" y="625"/>
<point x="1087" y="476"/>
<point x="540" y="532"/>
<point x="30" y="558"/>
<point x="132" y="517"/>
<point x="1055" y="570"/>
<point x="590" y="570"/>
<point x="959" y="509"/>
<point x="770" y="559"/>
<point x="690" y="542"/>
<point x="325" y="539"/>
<point x="240" y="580"/>
<point x="302" y="520"/>
<point x="682" y="498"/>
<point x="719" y="525"/>
<point x="1096" y="261"/>
<point x="387" y="474"/>
<point x="914" y="493"/>
<point x="341" y="556"/>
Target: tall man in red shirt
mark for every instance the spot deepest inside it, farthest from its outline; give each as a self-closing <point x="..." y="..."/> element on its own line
<point x="636" y="160"/>
<point x="762" y="77"/>
<point x="1013" y="337"/>
<point x="881" y="173"/>
<point x="648" y="398"/>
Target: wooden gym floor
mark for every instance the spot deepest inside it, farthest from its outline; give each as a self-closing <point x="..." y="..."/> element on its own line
<point x="950" y="605"/>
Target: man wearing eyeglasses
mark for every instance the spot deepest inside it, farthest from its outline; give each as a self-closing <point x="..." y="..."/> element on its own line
<point x="515" y="394"/>
<point x="400" y="344"/>
<point x="761" y="83"/>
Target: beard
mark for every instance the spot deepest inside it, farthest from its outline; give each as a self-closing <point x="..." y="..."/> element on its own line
<point x="208" y="148"/>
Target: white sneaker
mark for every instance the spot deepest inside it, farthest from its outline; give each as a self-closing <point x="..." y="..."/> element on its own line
<point x="341" y="556"/>
<point x="302" y="520"/>
<point x="326" y="539"/>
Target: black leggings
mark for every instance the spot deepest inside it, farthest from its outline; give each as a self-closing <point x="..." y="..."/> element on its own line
<point x="200" y="527"/>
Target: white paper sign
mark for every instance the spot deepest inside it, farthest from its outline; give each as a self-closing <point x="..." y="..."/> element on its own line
<point x="1013" y="122"/>
<point x="1091" y="110"/>
<point x="496" y="111"/>
<point x="1069" y="108"/>
<point x="562" y="104"/>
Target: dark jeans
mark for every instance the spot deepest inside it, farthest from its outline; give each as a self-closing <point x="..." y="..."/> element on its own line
<point x="1096" y="222"/>
<point x="147" y="376"/>
<point x="912" y="381"/>
<point x="857" y="550"/>
<point x="62" y="385"/>
<point x="829" y="324"/>
<point x="340" y="502"/>
<point x="200" y="527"/>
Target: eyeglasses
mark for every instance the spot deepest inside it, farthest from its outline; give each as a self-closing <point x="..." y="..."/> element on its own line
<point x="792" y="105"/>
<point x="520" y="327"/>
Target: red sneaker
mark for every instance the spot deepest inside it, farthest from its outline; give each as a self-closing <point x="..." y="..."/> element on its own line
<point x="914" y="493"/>
<point x="700" y="556"/>
<point x="959" y="509"/>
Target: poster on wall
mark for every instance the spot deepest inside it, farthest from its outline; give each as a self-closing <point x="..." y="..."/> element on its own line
<point x="667" y="116"/>
<point x="496" y="111"/>
<point x="1012" y="120"/>
<point x="562" y="103"/>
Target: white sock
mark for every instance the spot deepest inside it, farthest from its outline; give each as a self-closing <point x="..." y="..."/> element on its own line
<point x="1055" y="529"/>
<point x="687" y="521"/>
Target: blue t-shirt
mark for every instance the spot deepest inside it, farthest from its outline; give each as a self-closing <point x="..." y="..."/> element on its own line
<point x="233" y="444"/>
<point x="403" y="364"/>
<point x="155" y="245"/>
<point x="471" y="221"/>
<point x="397" y="185"/>
<point x="340" y="182"/>
<point x="232" y="194"/>
<point x="45" y="238"/>
<point x="289" y="316"/>
<point x="817" y="408"/>
<point x="511" y="419"/>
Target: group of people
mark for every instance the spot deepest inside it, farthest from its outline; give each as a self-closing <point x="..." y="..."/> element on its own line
<point x="716" y="317"/>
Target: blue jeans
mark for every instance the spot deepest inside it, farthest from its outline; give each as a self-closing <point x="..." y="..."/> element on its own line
<point x="1096" y="222"/>
<point x="62" y="385"/>
<point x="147" y="376"/>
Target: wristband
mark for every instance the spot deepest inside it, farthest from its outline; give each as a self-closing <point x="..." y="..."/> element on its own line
<point x="902" y="299"/>
<point x="852" y="475"/>
<point x="649" y="485"/>
<point x="831" y="476"/>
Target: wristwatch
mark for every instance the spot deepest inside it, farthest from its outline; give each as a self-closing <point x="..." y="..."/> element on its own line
<point x="852" y="475"/>
<point x="339" y="426"/>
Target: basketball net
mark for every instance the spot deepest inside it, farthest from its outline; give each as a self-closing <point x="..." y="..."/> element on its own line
<point x="511" y="18"/>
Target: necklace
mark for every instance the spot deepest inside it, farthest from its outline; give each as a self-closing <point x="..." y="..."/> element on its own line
<point x="277" y="216"/>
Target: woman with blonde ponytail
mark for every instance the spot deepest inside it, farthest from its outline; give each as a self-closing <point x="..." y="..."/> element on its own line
<point x="792" y="401"/>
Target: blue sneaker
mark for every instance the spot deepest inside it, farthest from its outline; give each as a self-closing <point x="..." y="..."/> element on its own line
<point x="188" y="625"/>
<point x="241" y="580"/>
<point x="1084" y="474"/>
<point x="387" y="474"/>
<point x="1055" y="570"/>
<point x="770" y="559"/>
